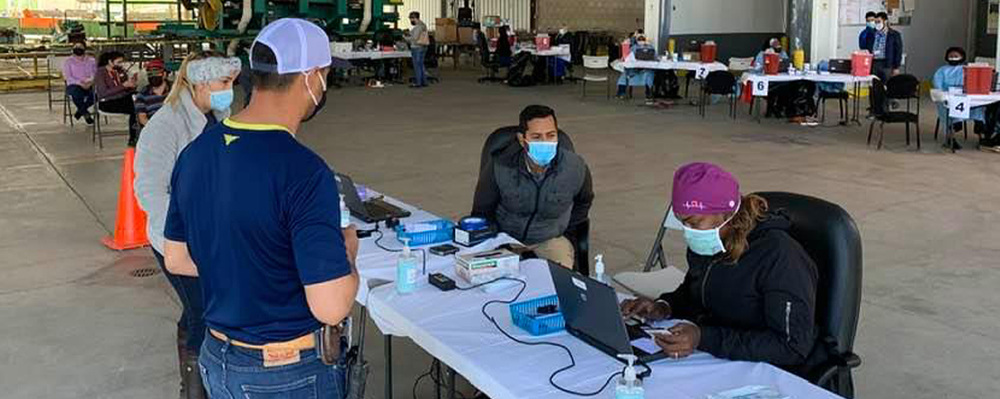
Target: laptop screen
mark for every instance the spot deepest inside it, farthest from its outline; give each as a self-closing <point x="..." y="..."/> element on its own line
<point x="591" y="311"/>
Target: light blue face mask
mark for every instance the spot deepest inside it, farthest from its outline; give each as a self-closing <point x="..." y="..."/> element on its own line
<point x="542" y="152"/>
<point x="221" y="100"/>
<point x="705" y="242"/>
<point x="870" y="25"/>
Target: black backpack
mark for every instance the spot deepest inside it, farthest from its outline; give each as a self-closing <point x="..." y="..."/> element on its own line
<point x="521" y="72"/>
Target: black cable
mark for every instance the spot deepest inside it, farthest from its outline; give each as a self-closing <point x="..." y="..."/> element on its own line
<point x="423" y="252"/>
<point x="524" y="286"/>
<point x="430" y="373"/>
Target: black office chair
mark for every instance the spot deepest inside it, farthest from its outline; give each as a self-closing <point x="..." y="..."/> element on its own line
<point x="901" y="87"/>
<point x="842" y="98"/>
<point x="502" y="140"/>
<point x="720" y="83"/>
<point x="830" y="236"/>
<point x="431" y="60"/>
<point x="488" y="60"/>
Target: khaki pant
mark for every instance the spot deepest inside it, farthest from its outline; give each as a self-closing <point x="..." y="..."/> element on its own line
<point x="558" y="250"/>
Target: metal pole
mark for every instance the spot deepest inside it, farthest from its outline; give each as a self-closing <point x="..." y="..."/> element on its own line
<point x="388" y="366"/>
<point x="107" y="8"/>
<point x="664" y="26"/>
<point x="125" y="18"/>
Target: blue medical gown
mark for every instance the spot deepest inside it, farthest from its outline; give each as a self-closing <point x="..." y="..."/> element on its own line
<point x="637" y="77"/>
<point x="950" y="76"/>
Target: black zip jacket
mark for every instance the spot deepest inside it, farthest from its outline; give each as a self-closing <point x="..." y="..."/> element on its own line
<point x="760" y="309"/>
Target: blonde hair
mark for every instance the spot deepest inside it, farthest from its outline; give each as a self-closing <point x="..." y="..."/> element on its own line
<point x="753" y="210"/>
<point x="181" y="82"/>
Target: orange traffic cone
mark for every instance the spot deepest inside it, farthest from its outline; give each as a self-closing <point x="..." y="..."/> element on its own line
<point x="130" y="224"/>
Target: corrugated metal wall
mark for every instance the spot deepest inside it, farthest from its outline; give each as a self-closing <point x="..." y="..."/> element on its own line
<point x="517" y="11"/>
<point x="429" y="11"/>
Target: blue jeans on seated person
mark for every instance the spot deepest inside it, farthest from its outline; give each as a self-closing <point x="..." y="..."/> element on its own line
<point x="82" y="98"/>
<point x="232" y="372"/>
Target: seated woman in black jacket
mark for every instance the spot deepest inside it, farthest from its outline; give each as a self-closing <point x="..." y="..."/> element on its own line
<point x="750" y="289"/>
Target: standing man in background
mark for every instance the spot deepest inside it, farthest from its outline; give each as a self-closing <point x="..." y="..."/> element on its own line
<point x="887" y="46"/>
<point x="254" y="213"/>
<point x="868" y="30"/>
<point x="419" y="39"/>
<point x="79" y="71"/>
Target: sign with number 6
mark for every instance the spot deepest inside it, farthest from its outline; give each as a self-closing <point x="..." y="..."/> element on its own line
<point x="760" y="87"/>
<point x="958" y="107"/>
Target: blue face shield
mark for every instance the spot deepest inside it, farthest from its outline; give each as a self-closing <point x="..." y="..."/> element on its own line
<point x="542" y="152"/>
<point x="221" y="100"/>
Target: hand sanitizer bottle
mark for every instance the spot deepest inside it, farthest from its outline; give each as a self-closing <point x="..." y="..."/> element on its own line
<point x="599" y="269"/>
<point x="406" y="270"/>
<point x="345" y="214"/>
<point x="629" y="386"/>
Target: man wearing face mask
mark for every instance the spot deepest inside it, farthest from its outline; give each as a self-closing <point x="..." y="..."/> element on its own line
<point x="254" y="214"/>
<point x="419" y="40"/>
<point x="868" y="30"/>
<point x="886" y="44"/>
<point x="150" y="98"/>
<point x="79" y="71"/>
<point x="750" y="289"/>
<point x="536" y="191"/>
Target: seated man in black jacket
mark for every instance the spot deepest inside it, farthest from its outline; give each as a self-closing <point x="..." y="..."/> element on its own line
<point x="750" y="289"/>
<point x="534" y="192"/>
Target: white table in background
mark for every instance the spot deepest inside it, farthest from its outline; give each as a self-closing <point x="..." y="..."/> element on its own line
<point x="562" y="52"/>
<point x="370" y="55"/>
<point x="451" y="327"/>
<point x="844" y="78"/>
<point x="966" y="101"/>
<point x="700" y="69"/>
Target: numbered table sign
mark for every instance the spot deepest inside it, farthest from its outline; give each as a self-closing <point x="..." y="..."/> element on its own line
<point x="958" y="107"/>
<point x="701" y="73"/>
<point x="760" y="87"/>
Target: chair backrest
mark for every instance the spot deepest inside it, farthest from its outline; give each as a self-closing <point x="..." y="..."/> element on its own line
<point x="501" y="139"/>
<point x="740" y="64"/>
<point x="902" y="87"/>
<point x="484" y="47"/>
<point x="878" y="98"/>
<point x="595" y="62"/>
<point x="830" y="236"/>
<point x="720" y="82"/>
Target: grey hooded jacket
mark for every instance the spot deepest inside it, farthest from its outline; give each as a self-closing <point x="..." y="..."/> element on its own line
<point x="161" y="141"/>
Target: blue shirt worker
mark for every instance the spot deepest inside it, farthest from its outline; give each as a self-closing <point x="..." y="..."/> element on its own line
<point x="255" y="214"/>
<point x="868" y="30"/>
<point x="951" y="76"/>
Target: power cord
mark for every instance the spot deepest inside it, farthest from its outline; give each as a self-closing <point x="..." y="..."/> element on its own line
<point x="378" y="243"/>
<point x="524" y="286"/>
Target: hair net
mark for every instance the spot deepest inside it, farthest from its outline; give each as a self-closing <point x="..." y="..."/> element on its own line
<point x="212" y="68"/>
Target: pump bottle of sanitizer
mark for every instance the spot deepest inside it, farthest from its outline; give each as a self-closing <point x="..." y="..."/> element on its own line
<point x="629" y="385"/>
<point x="345" y="215"/>
<point x="599" y="269"/>
<point x="406" y="270"/>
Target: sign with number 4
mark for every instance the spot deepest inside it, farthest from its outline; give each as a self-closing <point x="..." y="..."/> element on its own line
<point x="760" y="87"/>
<point x="701" y="73"/>
<point x="958" y="107"/>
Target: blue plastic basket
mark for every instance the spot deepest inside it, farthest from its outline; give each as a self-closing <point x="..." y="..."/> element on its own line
<point x="525" y="315"/>
<point x="444" y="231"/>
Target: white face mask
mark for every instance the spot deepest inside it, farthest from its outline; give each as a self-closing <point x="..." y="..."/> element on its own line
<point x="880" y="25"/>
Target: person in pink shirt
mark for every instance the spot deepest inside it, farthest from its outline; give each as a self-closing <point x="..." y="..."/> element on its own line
<point x="78" y="70"/>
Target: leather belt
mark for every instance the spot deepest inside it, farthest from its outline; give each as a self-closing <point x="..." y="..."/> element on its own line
<point x="304" y="342"/>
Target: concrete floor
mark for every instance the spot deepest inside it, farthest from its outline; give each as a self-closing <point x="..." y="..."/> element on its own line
<point x="76" y="324"/>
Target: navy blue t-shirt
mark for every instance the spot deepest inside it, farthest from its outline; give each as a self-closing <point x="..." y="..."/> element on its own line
<point x="260" y="214"/>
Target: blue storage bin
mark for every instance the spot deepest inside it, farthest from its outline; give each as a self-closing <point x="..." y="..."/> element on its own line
<point x="525" y="315"/>
<point x="444" y="230"/>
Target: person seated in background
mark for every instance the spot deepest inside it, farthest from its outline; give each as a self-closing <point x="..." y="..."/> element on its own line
<point x="78" y="70"/>
<point x="953" y="75"/>
<point x="151" y="97"/>
<point x="868" y="30"/>
<point x="535" y="192"/>
<point x="774" y="46"/>
<point x="637" y="77"/>
<point x="750" y="289"/>
<point x="504" y="51"/>
<point x="115" y="88"/>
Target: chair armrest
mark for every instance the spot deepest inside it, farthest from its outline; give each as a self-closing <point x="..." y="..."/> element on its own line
<point x="821" y="374"/>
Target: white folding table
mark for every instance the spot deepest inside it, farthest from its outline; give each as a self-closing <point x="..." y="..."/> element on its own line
<point x="844" y="78"/>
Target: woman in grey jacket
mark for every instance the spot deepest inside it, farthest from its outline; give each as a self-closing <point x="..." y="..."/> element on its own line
<point x="200" y="97"/>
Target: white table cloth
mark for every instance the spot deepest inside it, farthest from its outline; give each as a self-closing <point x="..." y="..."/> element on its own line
<point x="562" y="52"/>
<point x="371" y="55"/>
<point x="661" y="64"/>
<point x="450" y="327"/>
<point x="814" y="77"/>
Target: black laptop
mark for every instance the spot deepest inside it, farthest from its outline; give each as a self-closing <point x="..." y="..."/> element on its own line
<point x="591" y="311"/>
<point x="371" y="211"/>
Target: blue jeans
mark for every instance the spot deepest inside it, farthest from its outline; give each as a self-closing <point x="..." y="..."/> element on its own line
<point x="232" y="372"/>
<point x="83" y="98"/>
<point x="419" y="70"/>
<point x="192" y="308"/>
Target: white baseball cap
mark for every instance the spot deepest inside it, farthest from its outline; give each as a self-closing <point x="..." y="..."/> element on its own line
<point x="298" y="46"/>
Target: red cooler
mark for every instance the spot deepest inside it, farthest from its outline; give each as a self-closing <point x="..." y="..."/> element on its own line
<point x="543" y="42"/>
<point x="708" y="52"/>
<point x="861" y="63"/>
<point x="772" y="63"/>
<point x="626" y="49"/>
<point x="978" y="78"/>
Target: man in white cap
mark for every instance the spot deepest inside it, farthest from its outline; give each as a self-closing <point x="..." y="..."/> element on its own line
<point x="254" y="213"/>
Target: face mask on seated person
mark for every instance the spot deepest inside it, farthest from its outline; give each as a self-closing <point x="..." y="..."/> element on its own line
<point x="542" y="152"/>
<point x="955" y="61"/>
<point x="705" y="242"/>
